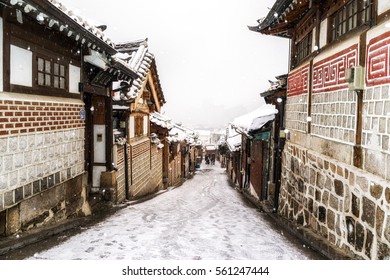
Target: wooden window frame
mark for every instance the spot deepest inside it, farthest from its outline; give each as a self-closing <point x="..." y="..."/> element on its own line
<point x="304" y="47"/>
<point x="36" y="39"/>
<point x="303" y="38"/>
<point x="49" y="76"/>
<point x="348" y="17"/>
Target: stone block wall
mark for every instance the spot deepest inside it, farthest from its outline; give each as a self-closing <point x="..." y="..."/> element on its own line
<point x="347" y="206"/>
<point x="296" y="110"/>
<point x="376" y="130"/>
<point x="334" y="115"/>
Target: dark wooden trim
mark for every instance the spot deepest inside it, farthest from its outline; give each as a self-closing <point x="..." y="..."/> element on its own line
<point x="309" y="95"/>
<point x="88" y="154"/>
<point x="357" y="149"/>
<point x="44" y="40"/>
<point x="345" y="37"/>
<point x="318" y="29"/>
<point x="45" y="5"/>
<point x="303" y="25"/>
<point x="109" y="133"/>
<point x="99" y="164"/>
<point x="91" y="89"/>
<point x="334" y="7"/>
<point x="383" y="17"/>
<point x="45" y="91"/>
<point x="6" y="51"/>
<point x="362" y="48"/>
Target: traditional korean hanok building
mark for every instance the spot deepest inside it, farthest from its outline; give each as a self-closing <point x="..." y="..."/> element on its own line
<point x="336" y="165"/>
<point x="55" y="74"/>
<point x="233" y="156"/>
<point x="160" y="125"/>
<point x="184" y="146"/>
<point x="255" y="130"/>
<point x="138" y="163"/>
<point x="276" y="95"/>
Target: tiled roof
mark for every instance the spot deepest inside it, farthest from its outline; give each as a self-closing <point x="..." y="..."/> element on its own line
<point x="282" y="17"/>
<point x="138" y="58"/>
<point x="55" y="15"/>
<point x="83" y="22"/>
<point x="161" y="120"/>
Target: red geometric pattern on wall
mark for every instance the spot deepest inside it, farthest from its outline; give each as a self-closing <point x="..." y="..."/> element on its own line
<point x="329" y="73"/>
<point x="298" y="81"/>
<point x="378" y="60"/>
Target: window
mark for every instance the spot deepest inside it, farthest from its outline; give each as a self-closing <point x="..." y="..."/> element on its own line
<point x="303" y="47"/>
<point x="51" y="74"/>
<point x="303" y="38"/>
<point x="354" y="14"/>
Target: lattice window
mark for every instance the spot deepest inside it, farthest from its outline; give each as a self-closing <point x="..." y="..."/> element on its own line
<point x="304" y="47"/>
<point x="51" y="74"/>
<point x="350" y="16"/>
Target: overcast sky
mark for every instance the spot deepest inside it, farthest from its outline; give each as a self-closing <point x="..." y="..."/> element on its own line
<point x="211" y="67"/>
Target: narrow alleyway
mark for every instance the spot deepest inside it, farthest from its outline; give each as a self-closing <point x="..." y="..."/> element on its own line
<point x="205" y="218"/>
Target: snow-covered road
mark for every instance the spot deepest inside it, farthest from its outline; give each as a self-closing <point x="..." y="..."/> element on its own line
<point x="205" y="218"/>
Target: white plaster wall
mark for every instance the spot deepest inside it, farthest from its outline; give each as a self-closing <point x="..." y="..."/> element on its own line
<point x="323" y="33"/>
<point x="383" y="6"/>
<point x="313" y="41"/>
<point x="337" y="48"/>
<point x="74" y="78"/>
<point x="146" y="125"/>
<point x="99" y="143"/>
<point x="378" y="30"/>
<point x="131" y="127"/>
<point x="21" y="66"/>
<point x="97" y="172"/>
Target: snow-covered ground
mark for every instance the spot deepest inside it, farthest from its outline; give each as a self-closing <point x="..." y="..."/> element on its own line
<point x="205" y="218"/>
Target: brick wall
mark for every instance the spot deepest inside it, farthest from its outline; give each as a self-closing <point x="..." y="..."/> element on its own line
<point x="41" y="147"/>
<point x="156" y="172"/>
<point x="50" y="152"/>
<point x="24" y="114"/>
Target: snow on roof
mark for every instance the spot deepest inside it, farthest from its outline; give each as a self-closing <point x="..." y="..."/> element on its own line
<point x="256" y="119"/>
<point x="177" y="132"/>
<point x="83" y="22"/>
<point x="161" y="120"/>
<point x="234" y="142"/>
<point x="182" y="133"/>
<point x="138" y="58"/>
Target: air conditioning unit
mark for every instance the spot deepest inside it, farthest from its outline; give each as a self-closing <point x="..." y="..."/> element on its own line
<point x="354" y="76"/>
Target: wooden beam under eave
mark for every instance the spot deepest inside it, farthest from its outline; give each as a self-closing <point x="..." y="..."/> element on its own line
<point x="154" y="92"/>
